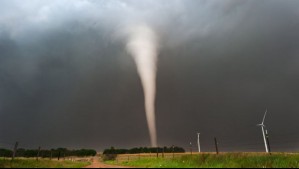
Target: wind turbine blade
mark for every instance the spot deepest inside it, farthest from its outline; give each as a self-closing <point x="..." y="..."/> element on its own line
<point x="265" y="116"/>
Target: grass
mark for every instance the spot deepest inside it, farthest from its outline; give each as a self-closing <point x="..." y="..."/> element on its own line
<point x="228" y="160"/>
<point x="32" y="163"/>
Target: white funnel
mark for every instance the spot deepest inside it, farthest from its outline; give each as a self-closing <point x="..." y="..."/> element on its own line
<point x="142" y="45"/>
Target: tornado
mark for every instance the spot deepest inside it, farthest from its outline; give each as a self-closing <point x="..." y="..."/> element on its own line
<point x="142" y="44"/>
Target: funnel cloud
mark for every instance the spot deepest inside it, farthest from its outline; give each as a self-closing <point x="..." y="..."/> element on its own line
<point x="142" y="45"/>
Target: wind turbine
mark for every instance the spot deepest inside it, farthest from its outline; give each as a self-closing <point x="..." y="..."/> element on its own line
<point x="262" y="125"/>
<point x="198" y="142"/>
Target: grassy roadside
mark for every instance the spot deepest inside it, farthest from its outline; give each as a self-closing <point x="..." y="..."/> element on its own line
<point x="229" y="160"/>
<point x="31" y="163"/>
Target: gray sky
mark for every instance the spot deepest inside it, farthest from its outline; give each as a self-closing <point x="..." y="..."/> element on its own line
<point x="66" y="79"/>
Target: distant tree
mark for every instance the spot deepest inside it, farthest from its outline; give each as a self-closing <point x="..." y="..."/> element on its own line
<point x="21" y="152"/>
<point x="5" y="153"/>
<point x="112" y="150"/>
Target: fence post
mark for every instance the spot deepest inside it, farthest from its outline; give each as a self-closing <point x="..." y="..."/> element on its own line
<point x="216" y="145"/>
<point x="59" y="155"/>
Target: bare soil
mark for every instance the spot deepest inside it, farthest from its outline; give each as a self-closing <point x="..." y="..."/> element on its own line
<point x="97" y="164"/>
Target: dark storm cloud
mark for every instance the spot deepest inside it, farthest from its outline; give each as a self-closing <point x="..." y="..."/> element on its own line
<point x="66" y="79"/>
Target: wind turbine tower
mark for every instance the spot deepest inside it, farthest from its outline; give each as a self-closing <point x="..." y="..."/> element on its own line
<point x="262" y="125"/>
<point x="198" y="142"/>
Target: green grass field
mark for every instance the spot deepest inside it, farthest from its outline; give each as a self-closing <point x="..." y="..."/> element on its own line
<point x="32" y="163"/>
<point x="228" y="160"/>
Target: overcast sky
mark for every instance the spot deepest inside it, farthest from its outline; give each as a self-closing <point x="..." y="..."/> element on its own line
<point x="66" y="79"/>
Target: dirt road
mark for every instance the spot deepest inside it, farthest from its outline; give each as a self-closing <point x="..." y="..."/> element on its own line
<point x="97" y="164"/>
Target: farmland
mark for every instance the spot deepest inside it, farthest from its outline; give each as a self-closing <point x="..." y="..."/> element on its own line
<point x="223" y="160"/>
<point x="42" y="163"/>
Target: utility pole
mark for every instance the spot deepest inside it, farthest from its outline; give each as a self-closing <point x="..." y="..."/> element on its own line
<point x="216" y="145"/>
<point x="173" y="151"/>
<point x="198" y="142"/>
<point x="38" y="151"/>
<point x="191" y="148"/>
<point x="15" y="151"/>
